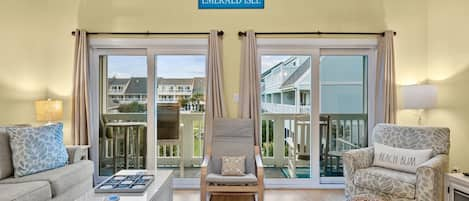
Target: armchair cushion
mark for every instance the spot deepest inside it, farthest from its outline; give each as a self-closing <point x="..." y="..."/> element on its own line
<point x="233" y="165"/>
<point x="231" y="180"/>
<point x="399" y="184"/>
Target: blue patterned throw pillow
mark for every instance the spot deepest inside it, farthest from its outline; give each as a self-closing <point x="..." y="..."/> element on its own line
<point x="37" y="149"/>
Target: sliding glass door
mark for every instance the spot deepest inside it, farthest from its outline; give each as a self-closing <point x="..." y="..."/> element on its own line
<point x="180" y="81"/>
<point x="122" y="111"/>
<point x="314" y="107"/>
<point x="148" y="103"/>
<point x="343" y="77"/>
<point x="285" y="115"/>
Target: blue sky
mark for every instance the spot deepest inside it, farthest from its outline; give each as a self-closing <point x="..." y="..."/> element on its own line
<point x="170" y="66"/>
<point x="180" y="66"/>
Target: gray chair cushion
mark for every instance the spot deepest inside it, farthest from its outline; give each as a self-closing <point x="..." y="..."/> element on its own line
<point x="396" y="183"/>
<point x="6" y="165"/>
<point x="60" y="179"/>
<point x="231" y="180"/>
<point x="29" y="191"/>
<point x="408" y="137"/>
<point x="232" y="137"/>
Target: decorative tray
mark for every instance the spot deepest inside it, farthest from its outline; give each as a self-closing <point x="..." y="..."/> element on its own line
<point x="136" y="183"/>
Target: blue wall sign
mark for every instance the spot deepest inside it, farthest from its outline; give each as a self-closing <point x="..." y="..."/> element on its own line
<point x="231" y="4"/>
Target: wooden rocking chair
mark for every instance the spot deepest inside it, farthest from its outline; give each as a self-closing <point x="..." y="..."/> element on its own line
<point x="232" y="137"/>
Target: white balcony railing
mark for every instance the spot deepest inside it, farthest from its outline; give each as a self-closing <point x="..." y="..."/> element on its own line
<point x="339" y="132"/>
<point x="285" y="108"/>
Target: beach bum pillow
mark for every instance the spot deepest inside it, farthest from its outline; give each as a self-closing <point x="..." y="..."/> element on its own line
<point x="233" y="165"/>
<point x="36" y="149"/>
<point x="406" y="160"/>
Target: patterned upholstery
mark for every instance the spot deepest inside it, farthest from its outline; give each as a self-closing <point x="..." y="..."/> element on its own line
<point x="407" y="137"/>
<point x="426" y="185"/>
<point x="388" y="181"/>
<point x="36" y="149"/>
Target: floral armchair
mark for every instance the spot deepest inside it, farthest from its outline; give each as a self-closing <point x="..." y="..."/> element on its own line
<point x="361" y="177"/>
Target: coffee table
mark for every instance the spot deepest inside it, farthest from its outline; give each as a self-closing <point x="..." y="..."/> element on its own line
<point x="160" y="189"/>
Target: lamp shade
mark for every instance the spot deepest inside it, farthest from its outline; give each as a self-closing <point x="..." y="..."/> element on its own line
<point x="418" y="96"/>
<point x="49" y="110"/>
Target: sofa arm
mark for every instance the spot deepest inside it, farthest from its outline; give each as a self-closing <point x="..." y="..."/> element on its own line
<point x="430" y="178"/>
<point x="354" y="160"/>
<point x="77" y="153"/>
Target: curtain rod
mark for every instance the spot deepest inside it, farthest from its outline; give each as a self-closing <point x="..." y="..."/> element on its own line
<point x="243" y="33"/>
<point x="220" y="33"/>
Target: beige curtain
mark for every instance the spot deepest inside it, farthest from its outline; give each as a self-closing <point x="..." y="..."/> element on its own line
<point x="385" y="97"/>
<point x="80" y="99"/>
<point x="249" y="90"/>
<point x="214" y="106"/>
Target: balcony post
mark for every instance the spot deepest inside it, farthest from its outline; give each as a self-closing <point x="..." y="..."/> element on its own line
<point x="279" y="141"/>
<point x="188" y="142"/>
<point x="297" y="100"/>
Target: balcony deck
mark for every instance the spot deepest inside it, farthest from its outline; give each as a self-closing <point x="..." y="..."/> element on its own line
<point x="194" y="172"/>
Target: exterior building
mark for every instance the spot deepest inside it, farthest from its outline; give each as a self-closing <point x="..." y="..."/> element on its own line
<point x="170" y="90"/>
<point x="285" y="87"/>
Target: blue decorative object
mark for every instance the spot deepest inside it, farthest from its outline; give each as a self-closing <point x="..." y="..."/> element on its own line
<point x="231" y="4"/>
<point x="113" y="198"/>
<point x="36" y="149"/>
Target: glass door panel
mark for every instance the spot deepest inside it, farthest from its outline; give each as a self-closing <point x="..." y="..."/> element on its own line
<point x="285" y="115"/>
<point x="343" y="107"/>
<point x="123" y="108"/>
<point x="180" y="100"/>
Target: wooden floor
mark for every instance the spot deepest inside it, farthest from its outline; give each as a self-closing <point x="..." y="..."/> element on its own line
<point x="271" y="195"/>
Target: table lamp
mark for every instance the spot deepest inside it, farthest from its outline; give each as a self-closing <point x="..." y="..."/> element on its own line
<point x="419" y="97"/>
<point x="49" y="110"/>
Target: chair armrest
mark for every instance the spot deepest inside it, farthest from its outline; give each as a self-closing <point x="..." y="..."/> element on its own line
<point x="430" y="178"/>
<point x="354" y="160"/>
<point x="205" y="161"/>
<point x="258" y="157"/>
<point x="259" y="167"/>
<point x="204" y="167"/>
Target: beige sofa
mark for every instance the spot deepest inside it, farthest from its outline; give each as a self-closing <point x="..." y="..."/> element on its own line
<point x="61" y="184"/>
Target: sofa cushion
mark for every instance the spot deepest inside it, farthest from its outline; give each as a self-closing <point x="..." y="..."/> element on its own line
<point x="29" y="191"/>
<point x="36" y="149"/>
<point x="60" y="179"/>
<point x="231" y="180"/>
<point x="396" y="183"/>
<point x="6" y="166"/>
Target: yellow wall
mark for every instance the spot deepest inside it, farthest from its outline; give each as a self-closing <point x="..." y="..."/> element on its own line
<point x="36" y="57"/>
<point x="448" y="68"/>
<point x="278" y="15"/>
<point x="39" y="65"/>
